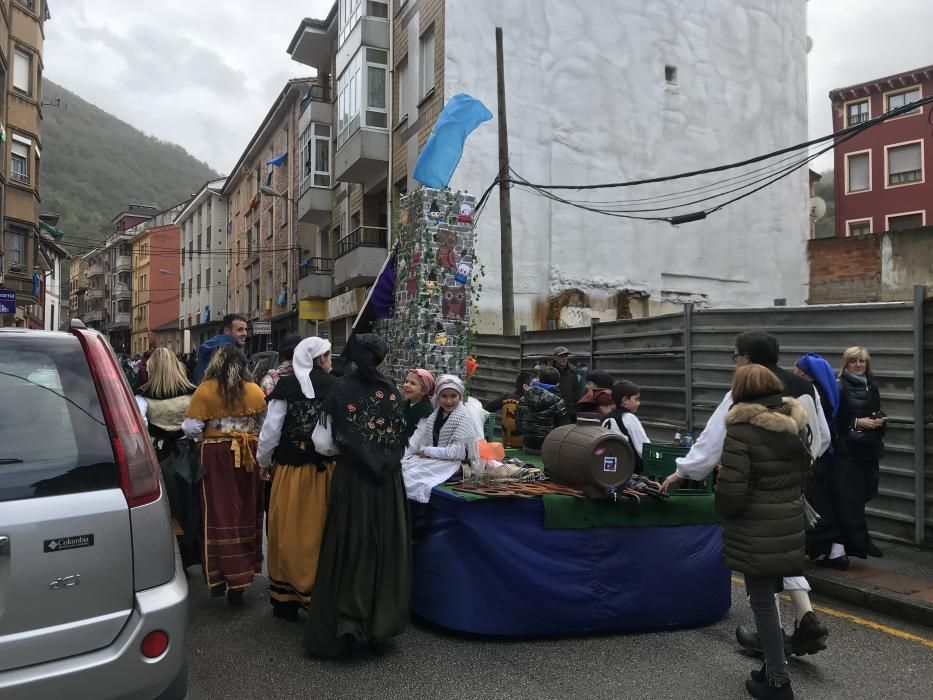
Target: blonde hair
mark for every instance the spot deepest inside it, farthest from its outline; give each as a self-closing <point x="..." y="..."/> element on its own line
<point x="752" y="382"/>
<point x="853" y="353"/>
<point x="167" y="378"/>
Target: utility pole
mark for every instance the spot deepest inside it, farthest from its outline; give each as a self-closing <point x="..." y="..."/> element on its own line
<point x="505" y="198"/>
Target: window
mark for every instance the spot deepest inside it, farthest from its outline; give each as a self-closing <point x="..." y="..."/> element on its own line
<point x="426" y="63"/>
<point x="376" y="69"/>
<point x="401" y="72"/>
<point x="670" y="75"/>
<point x="208" y="277"/>
<point x="905" y="164"/>
<point x="198" y="288"/>
<point x="22" y="70"/>
<point x="16" y="249"/>
<point x="902" y="222"/>
<point x="858" y="172"/>
<point x="856" y="113"/>
<point x="901" y="99"/>
<point x="350" y="13"/>
<point x="19" y="162"/>
<point x="270" y="223"/>
<point x="362" y="93"/>
<point x="377" y="8"/>
<point x="253" y="240"/>
<point x="858" y="228"/>
<point x="269" y="283"/>
<point x="315" y="157"/>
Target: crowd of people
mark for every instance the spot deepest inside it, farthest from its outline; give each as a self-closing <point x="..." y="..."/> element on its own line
<point x="339" y="469"/>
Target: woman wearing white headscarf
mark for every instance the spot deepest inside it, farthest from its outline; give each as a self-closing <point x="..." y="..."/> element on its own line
<point x="444" y="440"/>
<point x="298" y="504"/>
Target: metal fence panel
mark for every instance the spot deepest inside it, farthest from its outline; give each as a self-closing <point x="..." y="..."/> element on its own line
<point x="885" y="329"/>
<point x="651" y="352"/>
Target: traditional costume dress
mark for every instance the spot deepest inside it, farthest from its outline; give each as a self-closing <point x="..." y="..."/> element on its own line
<point x="448" y="440"/>
<point x="362" y="590"/>
<point x="298" y="505"/>
<point x="231" y="494"/>
<point x="181" y="471"/>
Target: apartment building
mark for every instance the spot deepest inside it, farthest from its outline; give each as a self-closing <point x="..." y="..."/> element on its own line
<point x="667" y="106"/>
<point x="203" y="281"/>
<point x="77" y="286"/>
<point x="53" y="291"/>
<point x="264" y="237"/>
<point x="881" y="173"/>
<point x="344" y="175"/>
<point x="108" y="296"/>
<point x="156" y="245"/>
<point x="22" y="35"/>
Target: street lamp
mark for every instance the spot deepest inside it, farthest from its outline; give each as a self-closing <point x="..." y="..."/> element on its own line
<point x="269" y="192"/>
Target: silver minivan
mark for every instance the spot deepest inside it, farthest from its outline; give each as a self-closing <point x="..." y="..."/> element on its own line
<point x="93" y="596"/>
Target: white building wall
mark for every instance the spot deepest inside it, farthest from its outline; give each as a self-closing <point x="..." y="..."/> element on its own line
<point x="588" y="103"/>
<point x="207" y="219"/>
<point x="53" y="301"/>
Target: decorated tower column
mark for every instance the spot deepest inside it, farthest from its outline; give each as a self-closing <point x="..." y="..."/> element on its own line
<point x="434" y="277"/>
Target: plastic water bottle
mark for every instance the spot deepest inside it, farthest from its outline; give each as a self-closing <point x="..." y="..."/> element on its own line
<point x="688" y="440"/>
<point x="677" y="439"/>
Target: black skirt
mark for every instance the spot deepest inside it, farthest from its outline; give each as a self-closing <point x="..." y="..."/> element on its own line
<point x="835" y="492"/>
<point x="362" y="591"/>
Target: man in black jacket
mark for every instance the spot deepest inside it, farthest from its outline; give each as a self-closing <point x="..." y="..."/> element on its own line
<point x="569" y="382"/>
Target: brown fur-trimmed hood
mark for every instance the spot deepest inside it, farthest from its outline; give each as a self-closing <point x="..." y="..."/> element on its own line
<point x="788" y="416"/>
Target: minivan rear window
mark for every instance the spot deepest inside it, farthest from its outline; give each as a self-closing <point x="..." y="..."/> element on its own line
<point x="53" y="438"/>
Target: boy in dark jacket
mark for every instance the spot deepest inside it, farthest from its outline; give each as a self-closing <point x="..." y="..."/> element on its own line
<point x="541" y="410"/>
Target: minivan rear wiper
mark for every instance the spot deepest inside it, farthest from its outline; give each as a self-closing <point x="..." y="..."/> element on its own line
<point x="10" y="460"/>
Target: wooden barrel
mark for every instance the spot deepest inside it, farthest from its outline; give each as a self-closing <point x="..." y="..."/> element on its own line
<point x="588" y="457"/>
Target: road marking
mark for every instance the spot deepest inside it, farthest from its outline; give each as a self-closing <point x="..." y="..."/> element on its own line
<point x="877" y="626"/>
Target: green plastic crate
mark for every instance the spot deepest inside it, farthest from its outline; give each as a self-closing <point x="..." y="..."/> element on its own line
<point x="659" y="462"/>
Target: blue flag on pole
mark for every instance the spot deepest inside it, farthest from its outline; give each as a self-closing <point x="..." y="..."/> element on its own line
<point x="441" y="154"/>
<point x="279" y="159"/>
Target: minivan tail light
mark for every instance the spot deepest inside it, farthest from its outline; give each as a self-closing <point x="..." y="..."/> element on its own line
<point x="139" y="469"/>
<point x="154" y="645"/>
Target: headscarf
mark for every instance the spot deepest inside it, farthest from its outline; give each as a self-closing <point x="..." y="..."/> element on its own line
<point x="367" y="350"/>
<point x="426" y="380"/>
<point x="448" y="381"/>
<point x="824" y="378"/>
<point x="303" y="361"/>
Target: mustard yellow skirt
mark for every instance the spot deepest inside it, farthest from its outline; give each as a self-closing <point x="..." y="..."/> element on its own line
<point x="297" y="513"/>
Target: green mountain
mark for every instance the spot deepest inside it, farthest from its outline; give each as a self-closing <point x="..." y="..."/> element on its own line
<point x="826" y="227"/>
<point x="93" y="165"/>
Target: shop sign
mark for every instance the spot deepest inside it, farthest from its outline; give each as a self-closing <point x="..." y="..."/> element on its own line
<point x="346" y="304"/>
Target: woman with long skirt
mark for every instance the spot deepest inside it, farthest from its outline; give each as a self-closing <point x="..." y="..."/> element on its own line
<point x="225" y="416"/>
<point x="362" y="589"/>
<point x="164" y="401"/>
<point x="298" y="506"/>
<point x="832" y="491"/>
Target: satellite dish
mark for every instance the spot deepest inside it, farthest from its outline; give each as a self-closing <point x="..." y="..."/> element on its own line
<point x="809" y="43"/>
<point x="817" y="208"/>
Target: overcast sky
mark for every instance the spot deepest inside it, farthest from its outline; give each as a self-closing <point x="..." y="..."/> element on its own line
<point x="202" y="73"/>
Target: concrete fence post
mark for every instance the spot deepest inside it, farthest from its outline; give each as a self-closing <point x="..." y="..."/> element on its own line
<point x="920" y="295"/>
<point x="688" y="364"/>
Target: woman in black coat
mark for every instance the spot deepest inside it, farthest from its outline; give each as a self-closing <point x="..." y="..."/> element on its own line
<point x="863" y="429"/>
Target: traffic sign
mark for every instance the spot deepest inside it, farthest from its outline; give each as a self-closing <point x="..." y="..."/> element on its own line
<point x="262" y="327"/>
<point x="7" y="301"/>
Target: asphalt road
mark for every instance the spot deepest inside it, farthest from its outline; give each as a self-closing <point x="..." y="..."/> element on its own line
<point x="246" y="653"/>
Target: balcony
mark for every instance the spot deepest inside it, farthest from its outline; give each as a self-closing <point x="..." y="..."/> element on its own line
<point x="121" y="319"/>
<point x="96" y="293"/>
<point x="363" y="158"/>
<point x="95" y="316"/>
<point x="360" y="256"/>
<point x="316" y="106"/>
<point x="95" y="270"/>
<point x="314" y="206"/>
<point x="124" y="263"/>
<point x="313" y="43"/>
<point x="121" y="291"/>
<point x="368" y="31"/>
<point x="315" y="278"/>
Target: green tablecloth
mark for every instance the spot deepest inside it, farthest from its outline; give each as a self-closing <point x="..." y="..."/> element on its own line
<point x="568" y="513"/>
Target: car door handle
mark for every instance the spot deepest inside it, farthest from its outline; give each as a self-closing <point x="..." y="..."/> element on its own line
<point x="4" y="544"/>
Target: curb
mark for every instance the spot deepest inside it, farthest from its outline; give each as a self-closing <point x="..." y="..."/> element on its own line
<point x="880" y="600"/>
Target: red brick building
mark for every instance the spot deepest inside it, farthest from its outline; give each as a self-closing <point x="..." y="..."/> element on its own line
<point x="884" y="180"/>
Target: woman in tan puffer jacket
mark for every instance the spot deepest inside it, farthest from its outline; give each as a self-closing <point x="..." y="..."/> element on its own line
<point x="759" y="492"/>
